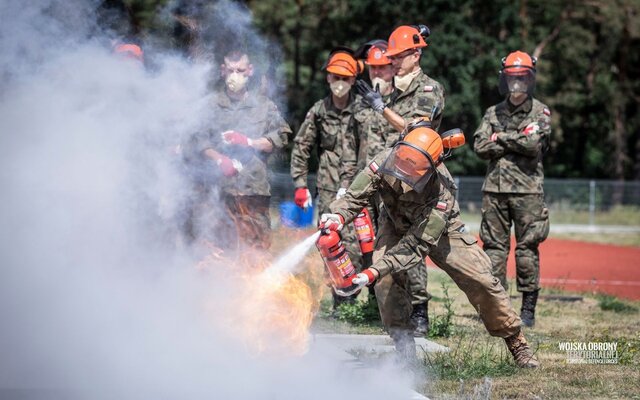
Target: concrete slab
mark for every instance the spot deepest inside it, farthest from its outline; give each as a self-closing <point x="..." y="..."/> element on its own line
<point x="372" y="343"/>
<point x="342" y="347"/>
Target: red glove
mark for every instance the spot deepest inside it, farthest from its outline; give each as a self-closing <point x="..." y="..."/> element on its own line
<point x="228" y="166"/>
<point x="237" y="138"/>
<point x="302" y="197"/>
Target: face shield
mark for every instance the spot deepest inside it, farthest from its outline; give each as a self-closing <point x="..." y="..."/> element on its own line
<point x="517" y="80"/>
<point x="410" y="164"/>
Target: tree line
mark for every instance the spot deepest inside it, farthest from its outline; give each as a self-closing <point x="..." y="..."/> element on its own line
<point x="588" y="66"/>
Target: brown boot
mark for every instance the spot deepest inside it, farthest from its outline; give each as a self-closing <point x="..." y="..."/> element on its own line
<point x="522" y="354"/>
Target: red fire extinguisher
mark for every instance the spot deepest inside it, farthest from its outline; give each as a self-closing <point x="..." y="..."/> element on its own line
<point x="366" y="236"/>
<point x="338" y="263"/>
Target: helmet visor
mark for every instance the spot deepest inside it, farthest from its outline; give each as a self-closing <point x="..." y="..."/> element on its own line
<point x="517" y="80"/>
<point x="409" y="164"/>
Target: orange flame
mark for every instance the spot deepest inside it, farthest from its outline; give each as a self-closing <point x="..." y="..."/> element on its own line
<point x="271" y="312"/>
<point x="274" y="314"/>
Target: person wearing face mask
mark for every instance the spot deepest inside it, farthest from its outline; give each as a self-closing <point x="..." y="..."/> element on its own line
<point x="421" y="218"/>
<point x="326" y="125"/>
<point x="245" y="129"/>
<point x="513" y="136"/>
<point x="376" y="133"/>
<point x="415" y="95"/>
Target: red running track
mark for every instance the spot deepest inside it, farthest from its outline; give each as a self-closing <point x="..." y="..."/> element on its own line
<point x="587" y="267"/>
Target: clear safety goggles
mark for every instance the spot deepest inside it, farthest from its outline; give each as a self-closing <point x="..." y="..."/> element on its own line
<point x="517" y="81"/>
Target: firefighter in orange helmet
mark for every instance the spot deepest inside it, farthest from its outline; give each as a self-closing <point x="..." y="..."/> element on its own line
<point x="513" y="137"/>
<point x="376" y="133"/>
<point x="415" y="95"/>
<point x="421" y="218"/>
<point x="327" y="125"/>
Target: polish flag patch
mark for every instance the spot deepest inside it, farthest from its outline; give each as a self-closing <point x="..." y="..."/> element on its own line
<point x="428" y="88"/>
<point x="442" y="205"/>
<point x="546" y="112"/>
<point x="374" y="167"/>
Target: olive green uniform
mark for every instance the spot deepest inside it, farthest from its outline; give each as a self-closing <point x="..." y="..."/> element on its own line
<point x="419" y="225"/>
<point x="513" y="192"/>
<point x="247" y="194"/>
<point x="325" y="128"/>
<point x="423" y="96"/>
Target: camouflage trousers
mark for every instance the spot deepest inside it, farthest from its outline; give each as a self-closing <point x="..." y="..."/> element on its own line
<point x="530" y="218"/>
<point x="230" y="223"/>
<point x="462" y="259"/>
<point x="348" y="233"/>
<point x="417" y="277"/>
<point x="252" y="219"/>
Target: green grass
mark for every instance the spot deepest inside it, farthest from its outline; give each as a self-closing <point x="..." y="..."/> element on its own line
<point x="478" y="363"/>
<point x="440" y="325"/>
<point x="472" y="356"/>
<point x="611" y="303"/>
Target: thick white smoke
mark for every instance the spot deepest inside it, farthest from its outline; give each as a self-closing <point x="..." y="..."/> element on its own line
<point x="95" y="302"/>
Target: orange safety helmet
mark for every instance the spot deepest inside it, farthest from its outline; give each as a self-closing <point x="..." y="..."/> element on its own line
<point x="518" y="63"/>
<point x="407" y="37"/>
<point x="518" y="74"/>
<point x="342" y="62"/>
<point x="414" y="159"/>
<point x="376" y="54"/>
<point x="130" y="50"/>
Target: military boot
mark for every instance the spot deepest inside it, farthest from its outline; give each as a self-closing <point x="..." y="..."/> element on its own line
<point x="528" y="310"/>
<point x="420" y="320"/>
<point x="522" y="354"/>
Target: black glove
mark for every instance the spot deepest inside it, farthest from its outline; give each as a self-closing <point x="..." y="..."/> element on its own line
<point x="372" y="97"/>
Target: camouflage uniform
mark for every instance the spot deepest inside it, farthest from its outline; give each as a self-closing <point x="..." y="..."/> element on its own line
<point x="513" y="187"/>
<point x="376" y="134"/>
<point x="416" y="225"/>
<point x="418" y="101"/>
<point x="246" y="195"/>
<point x="326" y="127"/>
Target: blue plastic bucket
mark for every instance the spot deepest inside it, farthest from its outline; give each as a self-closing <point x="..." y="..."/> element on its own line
<point x="293" y="216"/>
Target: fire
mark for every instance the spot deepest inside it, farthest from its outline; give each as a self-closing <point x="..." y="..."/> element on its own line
<point x="271" y="310"/>
<point x="275" y="313"/>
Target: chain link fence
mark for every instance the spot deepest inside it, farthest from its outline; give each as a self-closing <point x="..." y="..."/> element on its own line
<point x="571" y="201"/>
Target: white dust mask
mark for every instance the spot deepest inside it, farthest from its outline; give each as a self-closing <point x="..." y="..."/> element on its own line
<point x="236" y="82"/>
<point x="340" y="88"/>
<point x="381" y="84"/>
<point x="403" y="82"/>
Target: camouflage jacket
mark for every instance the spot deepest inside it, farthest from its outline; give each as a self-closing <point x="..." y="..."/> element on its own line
<point x="420" y="218"/>
<point x="515" y="157"/>
<point x="376" y="134"/>
<point x="256" y="117"/>
<point x="325" y="128"/>
<point x="419" y="100"/>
